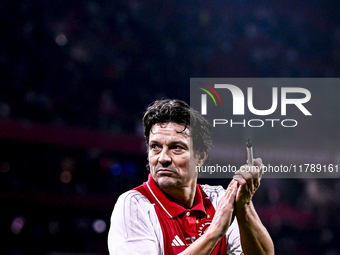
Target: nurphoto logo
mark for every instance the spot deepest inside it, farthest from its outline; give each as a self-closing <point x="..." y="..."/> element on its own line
<point x="219" y="92"/>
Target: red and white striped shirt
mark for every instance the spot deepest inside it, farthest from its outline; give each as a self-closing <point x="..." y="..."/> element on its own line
<point x="145" y="221"/>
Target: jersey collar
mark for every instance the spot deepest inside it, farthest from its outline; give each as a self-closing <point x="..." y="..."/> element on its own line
<point x="170" y="208"/>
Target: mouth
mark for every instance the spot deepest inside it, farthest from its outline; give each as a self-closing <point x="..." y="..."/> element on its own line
<point x="165" y="171"/>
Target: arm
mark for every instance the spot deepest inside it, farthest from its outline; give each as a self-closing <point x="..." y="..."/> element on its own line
<point x="219" y="225"/>
<point x="255" y="239"/>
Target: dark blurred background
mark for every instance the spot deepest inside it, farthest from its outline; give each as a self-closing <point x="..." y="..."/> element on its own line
<point x="76" y="77"/>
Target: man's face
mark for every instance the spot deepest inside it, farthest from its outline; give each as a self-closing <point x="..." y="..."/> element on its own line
<point x="171" y="155"/>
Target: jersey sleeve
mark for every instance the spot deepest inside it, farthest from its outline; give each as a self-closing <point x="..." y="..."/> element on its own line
<point x="132" y="229"/>
<point x="234" y="247"/>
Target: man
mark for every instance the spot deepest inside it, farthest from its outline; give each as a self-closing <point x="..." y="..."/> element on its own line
<point x="171" y="213"/>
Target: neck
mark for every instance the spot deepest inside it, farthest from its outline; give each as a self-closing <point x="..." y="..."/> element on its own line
<point x="183" y="196"/>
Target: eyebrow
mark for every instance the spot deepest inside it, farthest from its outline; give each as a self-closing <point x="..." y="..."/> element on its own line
<point x="171" y="143"/>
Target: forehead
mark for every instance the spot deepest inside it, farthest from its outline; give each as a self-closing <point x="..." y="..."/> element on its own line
<point x="169" y="130"/>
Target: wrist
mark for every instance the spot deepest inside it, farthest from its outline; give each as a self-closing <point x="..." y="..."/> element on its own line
<point x="213" y="235"/>
<point x="242" y="208"/>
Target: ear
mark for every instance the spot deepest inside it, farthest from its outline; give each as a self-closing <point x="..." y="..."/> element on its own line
<point x="202" y="158"/>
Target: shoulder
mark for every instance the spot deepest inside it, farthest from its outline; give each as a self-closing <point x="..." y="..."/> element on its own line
<point x="208" y="189"/>
<point x="130" y="204"/>
<point x="134" y="227"/>
<point x="214" y="193"/>
<point x="131" y="198"/>
<point x="131" y="212"/>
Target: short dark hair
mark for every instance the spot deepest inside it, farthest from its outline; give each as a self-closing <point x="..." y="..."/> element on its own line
<point x="177" y="111"/>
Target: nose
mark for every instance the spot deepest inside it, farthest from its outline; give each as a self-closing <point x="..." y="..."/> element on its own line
<point x="164" y="157"/>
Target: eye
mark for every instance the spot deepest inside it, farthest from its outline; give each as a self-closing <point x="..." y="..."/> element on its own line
<point x="155" y="147"/>
<point x="178" y="148"/>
